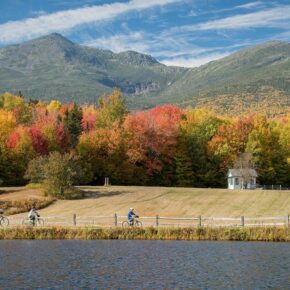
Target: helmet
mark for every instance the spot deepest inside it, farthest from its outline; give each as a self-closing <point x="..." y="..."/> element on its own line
<point x="131" y="208"/>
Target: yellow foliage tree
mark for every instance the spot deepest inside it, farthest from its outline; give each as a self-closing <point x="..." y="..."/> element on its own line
<point x="7" y="124"/>
<point x="54" y="105"/>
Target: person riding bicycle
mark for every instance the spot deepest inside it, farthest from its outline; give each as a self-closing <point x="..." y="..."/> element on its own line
<point x="33" y="215"/>
<point x="131" y="216"/>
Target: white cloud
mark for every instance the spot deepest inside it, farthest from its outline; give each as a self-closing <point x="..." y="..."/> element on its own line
<point x="251" y="5"/>
<point x="285" y="36"/>
<point x="155" y="44"/>
<point x="193" y="61"/>
<point x="174" y="50"/>
<point x="274" y="17"/>
<point x="121" y="42"/>
<point x="62" y="21"/>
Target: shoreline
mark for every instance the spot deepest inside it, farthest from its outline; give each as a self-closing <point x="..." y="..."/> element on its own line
<point x="270" y="234"/>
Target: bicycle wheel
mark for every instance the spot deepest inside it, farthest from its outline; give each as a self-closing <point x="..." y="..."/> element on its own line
<point x="4" y="222"/>
<point x="39" y="222"/>
<point x="125" y="224"/>
<point x="138" y="224"/>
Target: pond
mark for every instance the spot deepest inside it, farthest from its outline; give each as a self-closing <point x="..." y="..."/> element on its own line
<point x="143" y="265"/>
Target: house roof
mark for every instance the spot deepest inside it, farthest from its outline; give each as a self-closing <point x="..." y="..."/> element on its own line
<point x="240" y="172"/>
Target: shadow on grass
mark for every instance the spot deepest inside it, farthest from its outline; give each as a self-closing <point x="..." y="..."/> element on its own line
<point x="99" y="194"/>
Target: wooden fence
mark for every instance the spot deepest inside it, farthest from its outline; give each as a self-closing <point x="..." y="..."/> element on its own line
<point x="156" y="221"/>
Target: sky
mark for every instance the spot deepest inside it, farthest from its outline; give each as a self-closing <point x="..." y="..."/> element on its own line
<point x="185" y="33"/>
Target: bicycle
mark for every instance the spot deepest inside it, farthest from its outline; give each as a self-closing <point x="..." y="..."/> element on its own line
<point x="30" y="222"/>
<point x="134" y="224"/>
<point x="4" y="221"/>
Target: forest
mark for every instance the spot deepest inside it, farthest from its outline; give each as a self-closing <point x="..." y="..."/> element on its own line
<point x="166" y="145"/>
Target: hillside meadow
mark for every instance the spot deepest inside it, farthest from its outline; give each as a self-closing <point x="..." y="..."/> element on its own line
<point x="164" y="201"/>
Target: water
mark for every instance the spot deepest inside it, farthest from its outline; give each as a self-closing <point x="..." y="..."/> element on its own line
<point x="143" y="265"/>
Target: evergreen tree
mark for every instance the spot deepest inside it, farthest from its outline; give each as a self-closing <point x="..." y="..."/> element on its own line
<point x="183" y="168"/>
<point x="73" y="124"/>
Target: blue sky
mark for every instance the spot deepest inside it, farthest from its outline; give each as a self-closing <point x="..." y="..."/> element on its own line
<point x="176" y="32"/>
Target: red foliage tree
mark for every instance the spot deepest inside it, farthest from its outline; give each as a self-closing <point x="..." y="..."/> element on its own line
<point x="39" y="143"/>
<point x="13" y="139"/>
<point x="153" y="136"/>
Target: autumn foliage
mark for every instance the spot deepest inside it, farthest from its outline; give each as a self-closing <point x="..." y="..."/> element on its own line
<point x="166" y="145"/>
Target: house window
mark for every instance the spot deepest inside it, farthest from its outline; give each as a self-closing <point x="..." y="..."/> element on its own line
<point x="237" y="181"/>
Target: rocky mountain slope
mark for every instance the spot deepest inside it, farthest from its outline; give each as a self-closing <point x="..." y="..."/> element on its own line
<point x="54" y="67"/>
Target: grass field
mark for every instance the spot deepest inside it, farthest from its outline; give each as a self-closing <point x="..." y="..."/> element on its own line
<point x="149" y="201"/>
<point x="19" y="193"/>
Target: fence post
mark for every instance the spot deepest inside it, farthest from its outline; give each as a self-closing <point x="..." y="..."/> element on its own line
<point x="199" y="221"/>
<point x="74" y="219"/>
<point x="242" y="221"/>
<point x="107" y="181"/>
<point x="116" y="220"/>
<point x="157" y="220"/>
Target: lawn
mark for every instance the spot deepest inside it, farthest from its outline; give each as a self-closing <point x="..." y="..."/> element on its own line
<point x="149" y="201"/>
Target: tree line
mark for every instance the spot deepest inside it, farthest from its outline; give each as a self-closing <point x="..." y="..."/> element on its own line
<point x="166" y="145"/>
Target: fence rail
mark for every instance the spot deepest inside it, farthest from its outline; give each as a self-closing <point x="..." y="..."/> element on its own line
<point x="156" y="221"/>
<point x="272" y="187"/>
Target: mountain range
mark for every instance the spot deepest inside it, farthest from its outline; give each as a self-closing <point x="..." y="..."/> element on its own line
<point x="53" y="67"/>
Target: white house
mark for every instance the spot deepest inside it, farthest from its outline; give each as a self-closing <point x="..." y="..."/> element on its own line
<point x="242" y="178"/>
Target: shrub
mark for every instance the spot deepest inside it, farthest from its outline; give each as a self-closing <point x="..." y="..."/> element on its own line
<point x="34" y="171"/>
<point x="58" y="173"/>
<point x="19" y="206"/>
<point x="61" y="172"/>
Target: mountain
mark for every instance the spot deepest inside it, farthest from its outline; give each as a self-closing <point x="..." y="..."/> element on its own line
<point x="54" y="67"/>
<point x="256" y="78"/>
<point x="252" y="78"/>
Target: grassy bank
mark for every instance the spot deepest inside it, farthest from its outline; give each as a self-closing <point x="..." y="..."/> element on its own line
<point x="20" y="199"/>
<point x="275" y="234"/>
<point x="175" y="202"/>
<point x="152" y="201"/>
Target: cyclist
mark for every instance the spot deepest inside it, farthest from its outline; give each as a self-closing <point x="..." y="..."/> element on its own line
<point x="33" y="215"/>
<point x="131" y="216"/>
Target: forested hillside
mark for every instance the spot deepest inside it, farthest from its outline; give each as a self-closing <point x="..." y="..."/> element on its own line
<point x="253" y="79"/>
<point x="256" y="78"/>
<point x="166" y="145"/>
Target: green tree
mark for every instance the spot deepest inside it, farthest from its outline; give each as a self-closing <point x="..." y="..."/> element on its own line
<point x="18" y="106"/>
<point x="60" y="173"/>
<point x="196" y="130"/>
<point x="111" y="109"/>
<point x="184" y="174"/>
<point x="35" y="170"/>
<point x="73" y="124"/>
<point x="269" y="153"/>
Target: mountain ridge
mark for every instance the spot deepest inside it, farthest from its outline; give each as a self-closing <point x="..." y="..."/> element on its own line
<point x="54" y="67"/>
